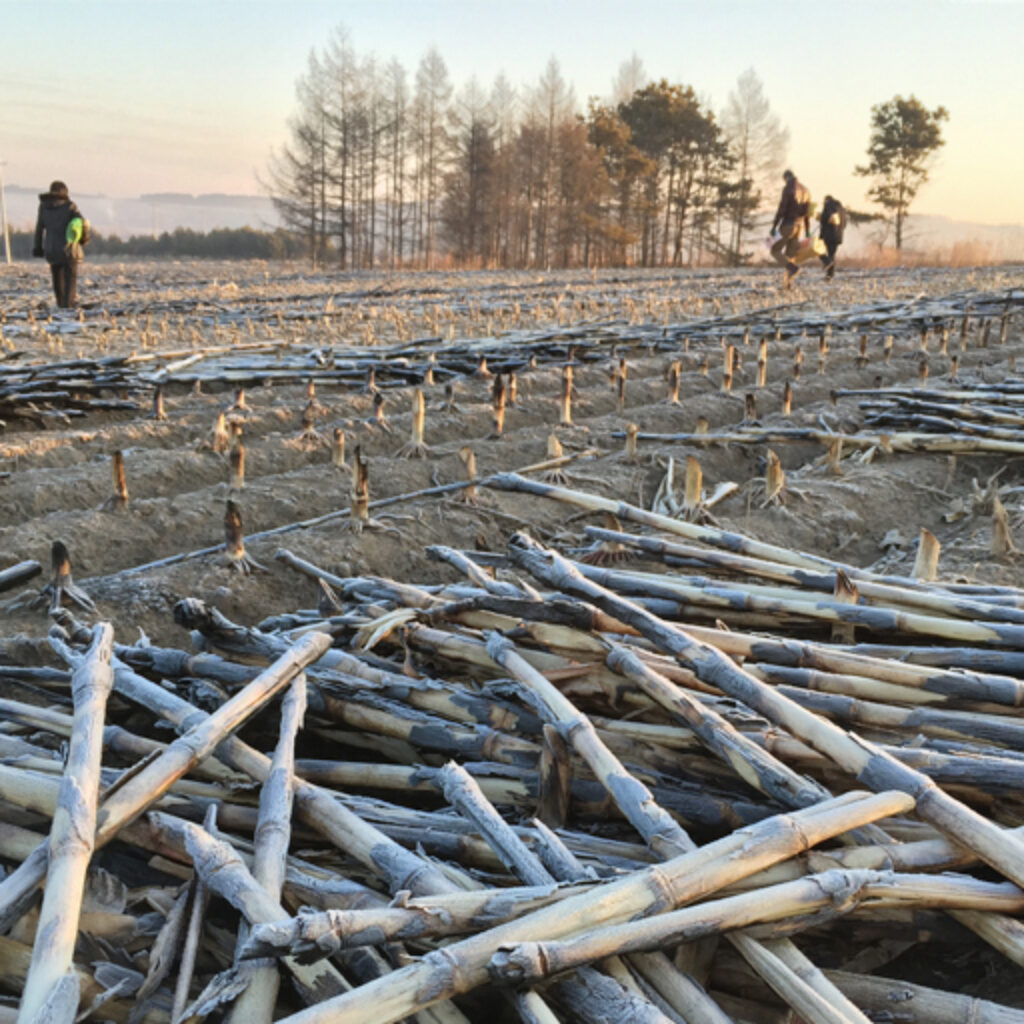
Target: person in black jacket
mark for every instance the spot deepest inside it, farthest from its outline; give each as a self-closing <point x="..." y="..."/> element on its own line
<point x="833" y="224"/>
<point x="59" y="227"/>
<point x="791" y="218"/>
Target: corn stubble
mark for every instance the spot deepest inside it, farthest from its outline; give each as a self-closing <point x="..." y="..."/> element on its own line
<point x="662" y="777"/>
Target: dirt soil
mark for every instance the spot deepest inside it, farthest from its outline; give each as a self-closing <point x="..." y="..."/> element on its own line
<point x="55" y="480"/>
<point x="60" y="476"/>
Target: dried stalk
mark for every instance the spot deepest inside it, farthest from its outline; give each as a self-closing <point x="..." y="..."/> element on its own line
<point x="837" y="890"/>
<point x="463" y="793"/>
<point x="237" y="459"/>
<point x="565" y="402"/>
<point x="729" y="364"/>
<point x="219" y="440"/>
<point x="926" y="564"/>
<point x="415" y="448"/>
<point x="199" y="897"/>
<point x="338" y="450"/>
<point x="270" y="858"/>
<point x="710" y="535"/>
<point x="693" y="496"/>
<point x="845" y="592"/>
<point x="674" y="377"/>
<point x="774" y="479"/>
<point x="862" y="356"/>
<point x="359" y="502"/>
<point x="158" y="412"/>
<point x="317" y="807"/>
<point x="314" y="935"/>
<point x="18" y="574"/>
<point x="225" y="874"/>
<point x="919" y="1004"/>
<point x="748" y="759"/>
<point x="1002" y="538"/>
<point x="71" y="837"/>
<point x="463" y="966"/>
<point x="662" y="833"/>
<point x="498" y="398"/>
<point x="631" y="447"/>
<point x="865" y="761"/>
<point x="235" y="554"/>
<point x="555" y="779"/>
<point x="555" y="453"/>
<point x="468" y="494"/>
<point x="145" y="787"/>
<point x="118" y="501"/>
<point x="379" y="419"/>
<point x="62" y="586"/>
<point x="309" y="439"/>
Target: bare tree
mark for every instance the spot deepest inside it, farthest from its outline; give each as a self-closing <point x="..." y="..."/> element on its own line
<point x="504" y="106"/>
<point x="468" y="206"/>
<point x="631" y="76"/>
<point x="371" y="163"/>
<point x="342" y="114"/>
<point x="433" y="92"/>
<point x="757" y="142"/>
<point x="297" y="174"/>
<point x="552" y="105"/>
<point x="395" y="146"/>
<point x="375" y="171"/>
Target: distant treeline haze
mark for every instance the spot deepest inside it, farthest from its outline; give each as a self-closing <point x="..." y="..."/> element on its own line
<point x="184" y="243"/>
<point x="383" y="172"/>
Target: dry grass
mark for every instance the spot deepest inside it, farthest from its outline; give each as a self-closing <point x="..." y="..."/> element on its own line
<point x="959" y="254"/>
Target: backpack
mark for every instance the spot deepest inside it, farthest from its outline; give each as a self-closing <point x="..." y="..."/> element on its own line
<point x="833" y="218"/>
<point x="802" y="200"/>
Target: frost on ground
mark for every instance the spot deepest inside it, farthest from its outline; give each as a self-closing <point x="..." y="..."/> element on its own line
<point x="373" y="410"/>
<point x="60" y="479"/>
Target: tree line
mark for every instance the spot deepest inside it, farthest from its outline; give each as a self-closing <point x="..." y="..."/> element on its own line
<point x="184" y="243"/>
<point x="383" y="171"/>
<point x="386" y="170"/>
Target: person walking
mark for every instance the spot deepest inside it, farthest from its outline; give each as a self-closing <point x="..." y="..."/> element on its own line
<point x="792" y="217"/>
<point x="833" y="224"/>
<point x="59" y="229"/>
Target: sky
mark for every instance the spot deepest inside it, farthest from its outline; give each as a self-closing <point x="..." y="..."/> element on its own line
<point x="129" y="98"/>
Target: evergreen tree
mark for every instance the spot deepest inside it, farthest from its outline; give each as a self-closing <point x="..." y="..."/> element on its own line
<point x="905" y="136"/>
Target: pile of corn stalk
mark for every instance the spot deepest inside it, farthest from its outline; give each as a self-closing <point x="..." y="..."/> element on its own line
<point x="672" y="775"/>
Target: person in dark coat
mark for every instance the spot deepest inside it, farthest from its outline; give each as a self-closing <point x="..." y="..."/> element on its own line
<point x="791" y="218"/>
<point x="59" y="227"/>
<point x="833" y="224"/>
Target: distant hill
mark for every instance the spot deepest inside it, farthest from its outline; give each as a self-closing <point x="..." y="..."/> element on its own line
<point x="930" y="232"/>
<point x="152" y="213"/>
<point x="164" y="211"/>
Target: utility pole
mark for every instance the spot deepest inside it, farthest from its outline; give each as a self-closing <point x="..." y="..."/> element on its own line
<point x="3" y="215"/>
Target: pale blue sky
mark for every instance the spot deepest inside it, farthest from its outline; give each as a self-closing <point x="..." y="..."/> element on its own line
<point x="125" y="98"/>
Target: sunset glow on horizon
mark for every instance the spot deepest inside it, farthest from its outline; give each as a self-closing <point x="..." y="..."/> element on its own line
<point x="187" y="96"/>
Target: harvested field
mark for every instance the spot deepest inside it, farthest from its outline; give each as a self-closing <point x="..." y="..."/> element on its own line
<point x="838" y="466"/>
<point x="60" y="470"/>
